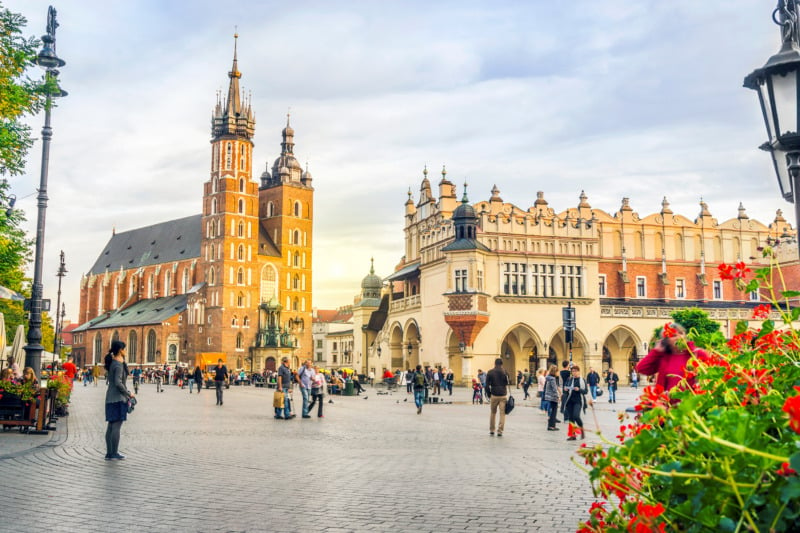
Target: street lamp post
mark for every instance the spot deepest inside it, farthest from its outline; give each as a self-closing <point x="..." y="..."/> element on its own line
<point x="48" y="60"/>
<point x="62" y="271"/>
<point x="777" y="85"/>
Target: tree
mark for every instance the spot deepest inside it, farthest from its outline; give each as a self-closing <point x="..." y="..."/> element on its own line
<point x="700" y="328"/>
<point x="19" y="95"/>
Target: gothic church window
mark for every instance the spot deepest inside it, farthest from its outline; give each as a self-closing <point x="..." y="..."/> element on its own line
<point x="241" y="229"/>
<point x="240" y="252"/>
<point x="98" y="348"/>
<point x="241" y="182"/>
<point x="167" y="283"/>
<point x="241" y="206"/>
<point x="240" y="300"/>
<point x="228" y="151"/>
<point x="268" y="283"/>
<point x="270" y="209"/>
<point x="151" y="346"/>
<point x="240" y="276"/>
<point x="297" y="209"/>
<point x="185" y="281"/>
<point x="239" y="341"/>
<point x="132" y="346"/>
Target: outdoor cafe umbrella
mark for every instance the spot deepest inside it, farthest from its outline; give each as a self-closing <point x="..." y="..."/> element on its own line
<point x="8" y="294"/>
<point x="2" y="340"/>
<point x="19" y="342"/>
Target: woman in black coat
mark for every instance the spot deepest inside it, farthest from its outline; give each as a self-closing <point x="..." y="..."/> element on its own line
<point x="575" y="390"/>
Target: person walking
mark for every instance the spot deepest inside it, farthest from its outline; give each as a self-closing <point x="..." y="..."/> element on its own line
<point x="519" y="377"/>
<point x="317" y="391"/>
<point x="575" y="390"/>
<point x="409" y="381"/>
<point x="220" y="377"/>
<point x="357" y="385"/>
<point x="117" y="397"/>
<point x="612" y="379"/>
<point x="540" y="381"/>
<point x="448" y="379"/>
<point x="634" y="379"/>
<point x="437" y="382"/>
<point x="198" y="379"/>
<point x="159" y="377"/>
<point x="304" y="377"/>
<point x="420" y="382"/>
<point x="526" y="383"/>
<point x="285" y="385"/>
<point x="482" y="380"/>
<point x="593" y="379"/>
<point x="551" y="397"/>
<point x="70" y="370"/>
<point x="497" y="383"/>
<point x="667" y="360"/>
<point x="96" y="375"/>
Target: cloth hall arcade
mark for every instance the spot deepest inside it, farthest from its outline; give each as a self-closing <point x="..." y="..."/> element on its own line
<point x="487" y="279"/>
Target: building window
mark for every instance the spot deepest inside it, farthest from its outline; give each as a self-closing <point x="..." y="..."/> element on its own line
<point x="319" y="344"/>
<point x="98" y="348"/>
<point x="297" y="209"/>
<point x="680" y="288"/>
<point x="514" y="276"/>
<point x="717" y="289"/>
<point x="167" y="283"/>
<point x="480" y="280"/>
<point x="240" y="300"/>
<point x="461" y="280"/>
<point x="241" y="229"/>
<point x="246" y="322"/>
<point x="228" y="151"/>
<point x="172" y="353"/>
<point x="241" y="181"/>
<point x="132" y="347"/>
<point x="241" y="206"/>
<point x="601" y="285"/>
<point x="319" y="356"/>
<point x="641" y="287"/>
<point x="754" y="296"/>
<point x="571" y="283"/>
<point x="239" y="341"/>
<point x="543" y="280"/>
<point x="151" y="346"/>
<point x="234" y="321"/>
<point x="270" y="209"/>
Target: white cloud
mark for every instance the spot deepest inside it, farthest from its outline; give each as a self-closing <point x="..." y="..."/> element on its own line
<point x="642" y="100"/>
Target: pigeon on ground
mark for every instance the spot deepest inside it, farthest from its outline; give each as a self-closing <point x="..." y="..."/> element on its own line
<point x="365" y="397"/>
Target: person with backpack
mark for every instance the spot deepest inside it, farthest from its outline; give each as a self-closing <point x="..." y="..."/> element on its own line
<point x="420" y="382"/>
<point x="575" y="391"/>
<point x="409" y="381"/>
<point x="526" y="383"/>
<point x="497" y="383"/>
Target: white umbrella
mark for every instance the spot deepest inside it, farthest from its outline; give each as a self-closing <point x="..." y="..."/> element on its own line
<point x="8" y="294"/>
<point x="19" y="342"/>
<point x="2" y="340"/>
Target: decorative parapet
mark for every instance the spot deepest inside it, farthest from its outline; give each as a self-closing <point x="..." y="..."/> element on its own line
<point x="542" y="300"/>
<point x="634" y="311"/>
<point x="404" y="304"/>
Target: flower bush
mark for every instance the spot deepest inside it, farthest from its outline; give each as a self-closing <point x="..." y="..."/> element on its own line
<point x="24" y="391"/>
<point x="61" y="384"/>
<point x="723" y="454"/>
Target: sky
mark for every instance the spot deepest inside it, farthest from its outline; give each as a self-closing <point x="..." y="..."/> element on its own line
<point x="618" y="98"/>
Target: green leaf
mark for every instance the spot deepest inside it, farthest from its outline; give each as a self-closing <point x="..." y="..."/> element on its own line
<point x="767" y="327"/>
<point x="752" y="285"/>
<point x="790" y="294"/>
<point x="726" y="524"/>
<point x="795" y="313"/>
<point x="742" y="325"/>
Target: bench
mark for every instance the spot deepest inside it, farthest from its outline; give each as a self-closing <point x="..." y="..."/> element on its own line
<point x="26" y="415"/>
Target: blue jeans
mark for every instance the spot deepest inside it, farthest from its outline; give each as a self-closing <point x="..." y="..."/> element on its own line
<point x="287" y="402"/>
<point x="191" y="384"/>
<point x="593" y="390"/>
<point x="612" y="394"/>
<point x="419" y="397"/>
<point x="635" y="383"/>
<point x="306" y="394"/>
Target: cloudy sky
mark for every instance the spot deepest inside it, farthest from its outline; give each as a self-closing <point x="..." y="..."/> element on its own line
<point x="619" y="98"/>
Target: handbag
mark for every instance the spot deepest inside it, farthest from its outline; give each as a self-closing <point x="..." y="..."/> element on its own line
<point x="599" y="392"/>
<point x="538" y="394"/>
<point x="278" y="399"/>
<point x="509" y="404"/>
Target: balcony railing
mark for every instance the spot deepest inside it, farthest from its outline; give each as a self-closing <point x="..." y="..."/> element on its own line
<point x="404" y="304"/>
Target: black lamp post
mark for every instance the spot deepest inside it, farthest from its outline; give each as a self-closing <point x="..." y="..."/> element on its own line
<point x="62" y="271"/>
<point x="777" y="85"/>
<point x="48" y="60"/>
<point x="410" y="348"/>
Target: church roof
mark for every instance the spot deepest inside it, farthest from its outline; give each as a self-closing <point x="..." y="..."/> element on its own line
<point x="144" y="312"/>
<point x="266" y="246"/>
<point x="173" y="240"/>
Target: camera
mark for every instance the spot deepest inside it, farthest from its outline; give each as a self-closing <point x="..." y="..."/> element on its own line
<point x="131" y="404"/>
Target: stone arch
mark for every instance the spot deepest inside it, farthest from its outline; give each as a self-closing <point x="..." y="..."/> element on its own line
<point x="411" y="343"/>
<point x="558" y="349"/>
<point x="622" y="349"/>
<point x="396" y="346"/>
<point x="519" y="347"/>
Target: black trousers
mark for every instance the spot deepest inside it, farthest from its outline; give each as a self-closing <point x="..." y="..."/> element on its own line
<point x="218" y="385"/>
<point x="314" y="399"/>
<point x="572" y="413"/>
<point x="552" y="409"/>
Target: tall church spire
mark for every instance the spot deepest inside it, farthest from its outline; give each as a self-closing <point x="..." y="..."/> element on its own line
<point x="236" y="118"/>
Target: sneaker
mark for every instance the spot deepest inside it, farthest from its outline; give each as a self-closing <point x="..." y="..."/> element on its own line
<point x="279" y="418"/>
<point x="419" y="410"/>
<point x="491" y="433"/>
<point x="552" y="429"/>
<point x="320" y="416"/>
<point x="499" y="434"/>
<point x="571" y="438"/>
<point x="306" y="416"/>
<point x="118" y="456"/>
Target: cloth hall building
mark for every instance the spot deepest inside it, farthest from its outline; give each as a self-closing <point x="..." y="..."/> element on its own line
<point x="487" y="279"/>
<point x="232" y="281"/>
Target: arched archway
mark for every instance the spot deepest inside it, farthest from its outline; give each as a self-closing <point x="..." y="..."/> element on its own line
<point x="396" y="346"/>
<point x="559" y="349"/>
<point x="411" y="344"/>
<point x="621" y="351"/>
<point x="519" y="345"/>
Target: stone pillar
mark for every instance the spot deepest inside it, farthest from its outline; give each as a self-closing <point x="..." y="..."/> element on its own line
<point x="466" y="367"/>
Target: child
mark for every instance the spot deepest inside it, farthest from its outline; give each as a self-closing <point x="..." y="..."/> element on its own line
<point x="477" y="392"/>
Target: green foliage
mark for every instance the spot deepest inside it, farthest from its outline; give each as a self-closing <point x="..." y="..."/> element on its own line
<point x="19" y="95"/>
<point x="24" y="391"/>
<point x="63" y="388"/>
<point x="703" y="331"/>
<point x="719" y="454"/>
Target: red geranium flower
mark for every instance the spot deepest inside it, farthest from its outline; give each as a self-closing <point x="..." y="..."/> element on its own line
<point x="792" y="406"/>
<point x="786" y="471"/>
<point x="669" y="331"/>
<point x="762" y="312"/>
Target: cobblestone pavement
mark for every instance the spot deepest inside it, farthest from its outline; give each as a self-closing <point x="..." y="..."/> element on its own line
<point x="371" y="464"/>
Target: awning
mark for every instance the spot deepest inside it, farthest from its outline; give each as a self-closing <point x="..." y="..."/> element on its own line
<point x="410" y="271"/>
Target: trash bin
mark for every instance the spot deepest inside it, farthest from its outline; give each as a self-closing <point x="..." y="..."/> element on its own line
<point x="348" y="388"/>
